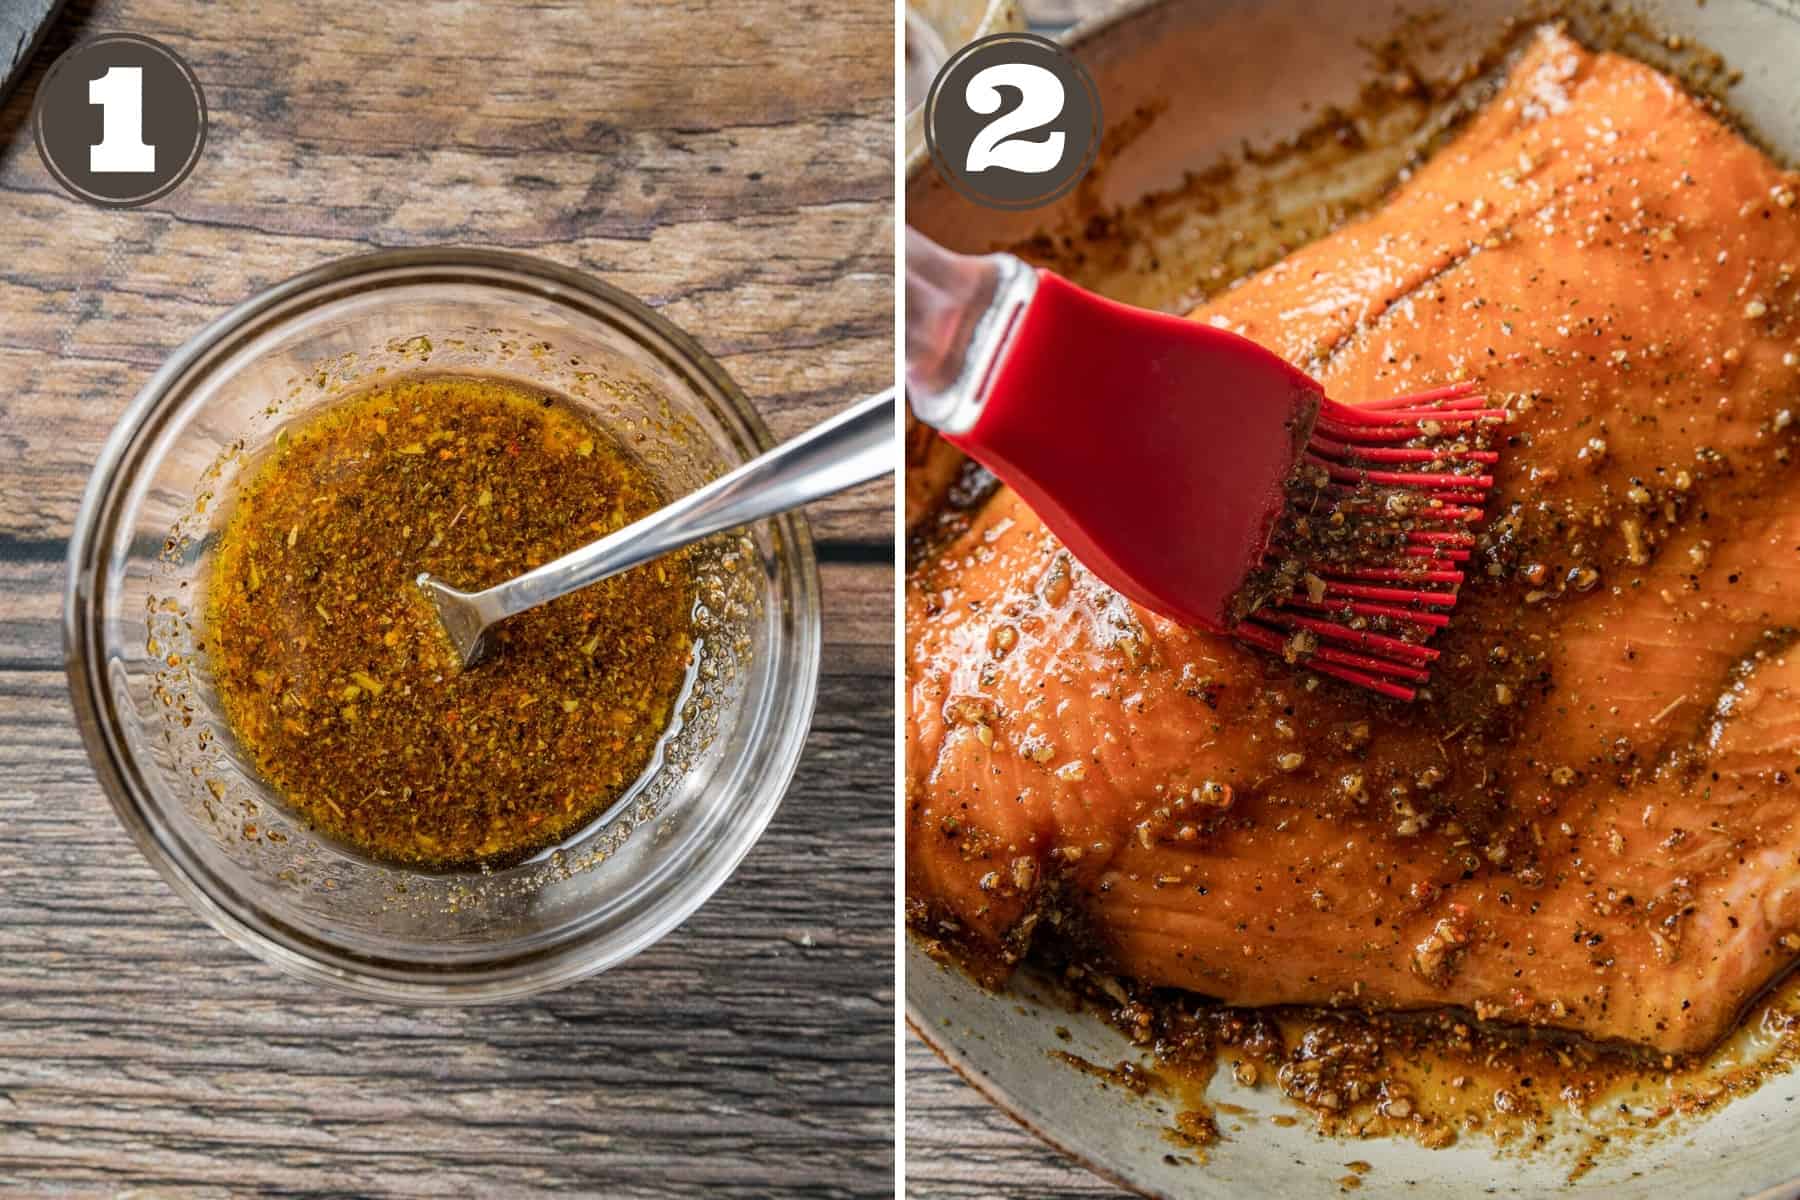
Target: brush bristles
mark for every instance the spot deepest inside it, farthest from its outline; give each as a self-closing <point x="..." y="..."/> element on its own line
<point x="1363" y="567"/>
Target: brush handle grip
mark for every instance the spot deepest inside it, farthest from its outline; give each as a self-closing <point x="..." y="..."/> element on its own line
<point x="961" y="312"/>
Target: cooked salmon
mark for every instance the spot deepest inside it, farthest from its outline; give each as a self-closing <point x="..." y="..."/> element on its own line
<point x="1591" y="820"/>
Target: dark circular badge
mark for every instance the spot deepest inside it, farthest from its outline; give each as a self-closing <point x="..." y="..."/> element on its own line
<point x="120" y="120"/>
<point x="1012" y="121"/>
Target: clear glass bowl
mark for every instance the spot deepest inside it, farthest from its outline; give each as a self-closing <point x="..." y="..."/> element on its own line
<point x="135" y="642"/>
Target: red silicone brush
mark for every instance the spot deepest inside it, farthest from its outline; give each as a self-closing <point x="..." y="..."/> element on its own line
<point x="1199" y="474"/>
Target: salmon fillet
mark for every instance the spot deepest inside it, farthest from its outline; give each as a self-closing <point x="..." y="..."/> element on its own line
<point x="1590" y="821"/>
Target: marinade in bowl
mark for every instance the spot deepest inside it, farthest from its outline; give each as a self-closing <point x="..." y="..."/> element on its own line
<point x="145" y="689"/>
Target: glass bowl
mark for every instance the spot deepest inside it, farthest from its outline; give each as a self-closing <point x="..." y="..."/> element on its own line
<point x="135" y="642"/>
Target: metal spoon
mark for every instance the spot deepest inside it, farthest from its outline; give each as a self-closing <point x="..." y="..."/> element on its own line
<point x="853" y="447"/>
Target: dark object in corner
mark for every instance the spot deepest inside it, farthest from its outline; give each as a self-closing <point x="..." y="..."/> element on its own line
<point x="23" y="24"/>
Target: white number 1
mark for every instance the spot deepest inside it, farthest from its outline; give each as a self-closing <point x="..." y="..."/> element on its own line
<point x="120" y="95"/>
<point x="1040" y="102"/>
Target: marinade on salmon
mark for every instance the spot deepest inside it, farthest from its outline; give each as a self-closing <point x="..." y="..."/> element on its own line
<point x="1591" y="820"/>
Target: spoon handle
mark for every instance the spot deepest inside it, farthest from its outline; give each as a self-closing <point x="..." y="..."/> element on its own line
<point x="853" y="447"/>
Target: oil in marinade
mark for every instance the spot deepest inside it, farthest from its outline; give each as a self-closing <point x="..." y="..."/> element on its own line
<point x="335" y="677"/>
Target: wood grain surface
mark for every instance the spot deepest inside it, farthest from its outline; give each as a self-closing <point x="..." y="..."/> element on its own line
<point x="732" y="164"/>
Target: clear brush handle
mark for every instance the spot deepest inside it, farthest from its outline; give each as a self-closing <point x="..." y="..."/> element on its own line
<point x="961" y="310"/>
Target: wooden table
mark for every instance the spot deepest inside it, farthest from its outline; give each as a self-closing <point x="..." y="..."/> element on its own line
<point x="732" y="164"/>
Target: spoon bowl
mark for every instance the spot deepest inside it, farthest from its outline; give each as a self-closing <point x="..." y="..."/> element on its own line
<point x="465" y="616"/>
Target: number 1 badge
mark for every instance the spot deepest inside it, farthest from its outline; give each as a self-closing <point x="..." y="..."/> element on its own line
<point x="119" y="120"/>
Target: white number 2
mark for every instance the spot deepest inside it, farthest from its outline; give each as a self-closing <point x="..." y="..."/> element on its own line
<point x="1041" y="101"/>
<point x="120" y="95"/>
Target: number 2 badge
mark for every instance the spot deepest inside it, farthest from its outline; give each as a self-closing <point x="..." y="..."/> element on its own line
<point x="1012" y="121"/>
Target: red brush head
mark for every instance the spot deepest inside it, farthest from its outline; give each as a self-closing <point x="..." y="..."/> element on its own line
<point x="1364" y="564"/>
<point x="1154" y="448"/>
